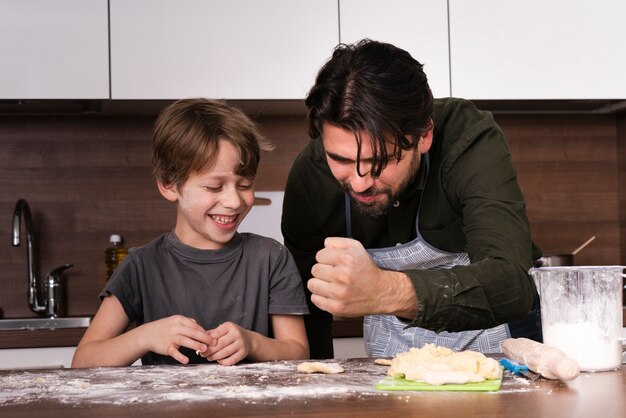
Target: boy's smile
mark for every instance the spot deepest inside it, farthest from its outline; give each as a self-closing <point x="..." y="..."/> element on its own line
<point x="227" y="221"/>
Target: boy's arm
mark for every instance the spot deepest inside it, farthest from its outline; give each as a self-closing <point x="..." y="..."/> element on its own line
<point x="97" y="347"/>
<point x="289" y="342"/>
<point x="106" y="344"/>
<point x="235" y="344"/>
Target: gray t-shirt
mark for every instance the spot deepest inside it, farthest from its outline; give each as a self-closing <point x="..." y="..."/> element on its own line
<point x="244" y="282"/>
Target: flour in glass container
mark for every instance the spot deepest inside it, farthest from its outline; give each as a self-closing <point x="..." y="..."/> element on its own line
<point x="594" y="349"/>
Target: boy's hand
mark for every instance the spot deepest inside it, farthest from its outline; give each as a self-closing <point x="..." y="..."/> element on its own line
<point x="233" y="344"/>
<point x="165" y="336"/>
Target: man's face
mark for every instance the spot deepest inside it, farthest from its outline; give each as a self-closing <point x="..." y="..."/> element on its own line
<point x="371" y="196"/>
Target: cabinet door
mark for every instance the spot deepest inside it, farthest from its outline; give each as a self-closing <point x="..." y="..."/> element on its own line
<point x="36" y="358"/>
<point x="418" y="26"/>
<point x="234" y="49"/>
<point x="54" y="49"/>
<point x="533" y="49"/>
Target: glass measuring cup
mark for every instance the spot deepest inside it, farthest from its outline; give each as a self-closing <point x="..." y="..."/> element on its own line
<point x="581" y="313"/>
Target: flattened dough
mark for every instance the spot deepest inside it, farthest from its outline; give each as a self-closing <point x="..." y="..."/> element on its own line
<point x="318" y="367"/>
<point x="439" y="365"/>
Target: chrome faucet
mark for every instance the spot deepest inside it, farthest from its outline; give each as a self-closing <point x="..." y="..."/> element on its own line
<point x="51" y="306"/>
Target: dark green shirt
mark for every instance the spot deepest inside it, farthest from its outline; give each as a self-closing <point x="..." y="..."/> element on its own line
<point x="471" y="203"/>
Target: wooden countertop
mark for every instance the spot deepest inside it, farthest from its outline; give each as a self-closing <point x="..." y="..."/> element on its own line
<point x="276" y="389"/>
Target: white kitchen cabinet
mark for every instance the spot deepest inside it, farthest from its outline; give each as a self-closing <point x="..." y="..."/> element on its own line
<point x="418" y="26"/>
<point x="235" y="49"/>
<point x="533" y="49"/>
<point x="36" y="358"/>
<point x="54" y="49"/>
<point x="39" y="358"/>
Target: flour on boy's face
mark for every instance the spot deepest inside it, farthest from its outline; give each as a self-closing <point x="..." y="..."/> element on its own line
<point x="213" y="202"/>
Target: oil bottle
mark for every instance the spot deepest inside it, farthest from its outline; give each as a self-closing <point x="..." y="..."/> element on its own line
<point x="113" y="255"/>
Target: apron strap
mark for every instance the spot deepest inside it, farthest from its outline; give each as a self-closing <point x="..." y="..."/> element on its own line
<point x="346" y="200"/>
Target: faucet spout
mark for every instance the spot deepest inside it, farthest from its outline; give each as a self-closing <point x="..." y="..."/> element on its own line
<point x="22" y="209"/>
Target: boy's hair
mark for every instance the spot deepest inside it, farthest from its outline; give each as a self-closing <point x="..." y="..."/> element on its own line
<point x="375" y="88"/>
<point x="186" y="139"/>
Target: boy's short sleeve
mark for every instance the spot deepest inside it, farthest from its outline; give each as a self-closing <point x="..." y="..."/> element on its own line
<point x="124" y="284"/>
<point x="286" y="292"/>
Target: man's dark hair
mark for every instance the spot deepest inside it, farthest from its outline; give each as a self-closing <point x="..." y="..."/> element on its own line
<point x="374" y="88"/>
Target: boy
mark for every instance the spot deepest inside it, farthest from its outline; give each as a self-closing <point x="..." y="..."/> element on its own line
<point x="203" y="289"/>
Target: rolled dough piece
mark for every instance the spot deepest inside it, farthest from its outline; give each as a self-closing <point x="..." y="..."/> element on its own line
<point x="439" y="365"/>
<point x="548" y="361"/>
<point x="319" y="367"/>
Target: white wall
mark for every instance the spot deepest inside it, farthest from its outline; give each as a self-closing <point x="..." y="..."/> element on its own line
<point x="265" y="220"/>
<point x="349" y="348"/>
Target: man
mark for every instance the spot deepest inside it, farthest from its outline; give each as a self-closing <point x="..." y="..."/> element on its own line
<point x="406" y="210"/>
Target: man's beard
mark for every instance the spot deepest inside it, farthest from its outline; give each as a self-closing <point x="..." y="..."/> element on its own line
<point x="376" y="209"/>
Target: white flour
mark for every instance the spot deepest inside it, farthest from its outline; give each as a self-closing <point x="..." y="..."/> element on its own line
<point x="593" y="348"/>
<point x="149" y="384"/>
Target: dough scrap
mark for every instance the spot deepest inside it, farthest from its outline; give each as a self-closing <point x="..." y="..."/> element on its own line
<point x="438" y="365"/>
<point x="383" y="361"/>
<point x="318" y="367"/>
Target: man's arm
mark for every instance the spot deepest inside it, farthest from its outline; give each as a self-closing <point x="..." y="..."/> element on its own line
<point x="480" y="184"/>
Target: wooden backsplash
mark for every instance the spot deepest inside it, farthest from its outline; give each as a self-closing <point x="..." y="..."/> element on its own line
<point x="89" y="176"/>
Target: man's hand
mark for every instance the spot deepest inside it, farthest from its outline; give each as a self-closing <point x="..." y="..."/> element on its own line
<point x="347" y="282"/>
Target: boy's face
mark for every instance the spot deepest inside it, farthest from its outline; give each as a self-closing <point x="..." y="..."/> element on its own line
<point x="212" y="202"/>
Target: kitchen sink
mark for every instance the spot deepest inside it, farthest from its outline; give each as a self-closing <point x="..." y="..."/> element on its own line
<point x="45" y="323"/>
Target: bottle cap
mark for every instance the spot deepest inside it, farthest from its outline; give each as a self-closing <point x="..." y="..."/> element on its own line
<point x="115" y="238"/>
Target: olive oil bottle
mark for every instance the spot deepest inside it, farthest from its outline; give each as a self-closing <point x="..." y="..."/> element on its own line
<point x="113" y="255"/>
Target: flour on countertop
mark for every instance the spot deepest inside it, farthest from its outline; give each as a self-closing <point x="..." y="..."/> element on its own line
<point x="254" y="383"/>
<point x="149" y="384"/>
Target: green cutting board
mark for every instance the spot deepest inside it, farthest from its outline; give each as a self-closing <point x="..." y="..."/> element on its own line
<point x="399" y="383"/>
